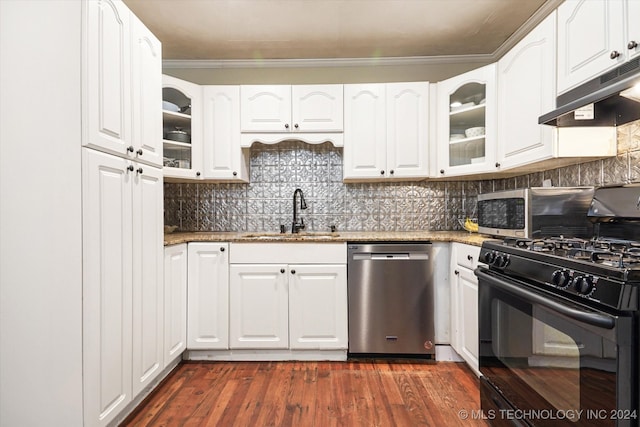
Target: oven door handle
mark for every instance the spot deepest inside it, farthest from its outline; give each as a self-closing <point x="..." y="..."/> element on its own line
<point x="595" y="319"/>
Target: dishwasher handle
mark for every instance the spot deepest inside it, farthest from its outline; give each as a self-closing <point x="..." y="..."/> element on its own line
<point x="389" y="256"/>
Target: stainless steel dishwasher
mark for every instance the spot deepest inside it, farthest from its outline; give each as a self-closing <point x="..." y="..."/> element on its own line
<point x="391" y="298"/>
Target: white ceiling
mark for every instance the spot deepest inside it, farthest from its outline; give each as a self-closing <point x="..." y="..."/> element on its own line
<point x="305" y="29"/>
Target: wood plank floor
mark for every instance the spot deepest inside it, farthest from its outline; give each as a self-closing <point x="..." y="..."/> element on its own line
<point x="354" y="393"/>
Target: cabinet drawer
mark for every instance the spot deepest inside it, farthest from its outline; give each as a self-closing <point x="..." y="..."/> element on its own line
<point x="466" y="255"/>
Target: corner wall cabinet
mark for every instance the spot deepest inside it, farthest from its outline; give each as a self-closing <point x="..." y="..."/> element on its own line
<point x="464" y="303"/>
<point x="182" y="128"/>
<point x="386" y="131"/>
<point x="175" y="302"/>
<point x="526" y="90"/>
<point x="272" y="113"/>
<point x="466" y="141"/>
<point x="593" y="37"/>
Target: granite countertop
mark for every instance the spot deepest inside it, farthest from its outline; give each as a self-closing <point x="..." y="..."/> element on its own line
<point x="474" y="239"/>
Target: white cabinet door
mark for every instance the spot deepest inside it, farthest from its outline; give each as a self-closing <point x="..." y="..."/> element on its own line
<point x="464" y="302"/>
<point x="633" y="26"/>
<point x="175" y="302"/>
<point x="265" y="108"/>
<point x="466" y="132"/>
<point x="468" y="320"/>
<point x="588" y="33"/>
<point x="407" y="130"/>
<point x="223" y="157"/>
<point x="208" y="296"/>
<point x="107" y="77"/>
<point x="318" y="307"/>
<point x="107" y="285"/>
<point x="365" y="131"/>
<point x="526" y="90"/>
<point x="258" y="302"/>
<point x="317" y="108"/>
<point x="148" y="293"/>
<point x="146" y="83"/>
<point x="187" y="155"/>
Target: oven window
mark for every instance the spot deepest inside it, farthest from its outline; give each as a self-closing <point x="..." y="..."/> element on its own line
<point x="542" y="361"/>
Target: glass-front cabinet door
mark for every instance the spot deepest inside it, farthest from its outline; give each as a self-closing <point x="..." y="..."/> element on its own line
<point x="182" y="128"/>
<point x="466" y="123"/>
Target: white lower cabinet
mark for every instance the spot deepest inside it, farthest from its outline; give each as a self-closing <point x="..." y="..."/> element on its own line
<point x="208" y="296"/>
<point x="288" y="296"/>
<point x="122" y="282"/>
<point x="295" y="306"/>
<point x="464" y="303"/>
<point x="175" y="301"/>
<point x="259" y="313"/>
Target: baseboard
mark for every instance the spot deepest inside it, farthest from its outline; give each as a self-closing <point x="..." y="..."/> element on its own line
<point x="266" y="355"/>
<point x="446" y="353"/>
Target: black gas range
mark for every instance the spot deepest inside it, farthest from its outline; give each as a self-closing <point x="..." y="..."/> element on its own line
<point x="599" y="272"/>
<point x="559" y="322"/>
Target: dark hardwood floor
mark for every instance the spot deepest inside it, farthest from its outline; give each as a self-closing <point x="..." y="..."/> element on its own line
<point x="355" y="393"/>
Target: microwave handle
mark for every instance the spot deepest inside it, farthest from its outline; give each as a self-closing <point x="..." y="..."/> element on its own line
<point x="595" y="319"/>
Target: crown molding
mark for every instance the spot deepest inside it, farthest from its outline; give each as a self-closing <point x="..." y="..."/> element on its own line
<point x="547" y="8"/>
<point x="325" y="62"/>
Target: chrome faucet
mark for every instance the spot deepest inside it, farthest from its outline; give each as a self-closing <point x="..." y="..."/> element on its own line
<point x="298" y="223"/>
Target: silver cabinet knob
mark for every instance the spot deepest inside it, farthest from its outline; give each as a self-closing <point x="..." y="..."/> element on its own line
<point x="614" y="54"/>
<point x="130" y="168"/>
<point x="139" y="152"/>
<point x="632" y="45"/>
<point x="286" y="126"/>
<point x="139" y="170"/>
<point x="130" y="148"/>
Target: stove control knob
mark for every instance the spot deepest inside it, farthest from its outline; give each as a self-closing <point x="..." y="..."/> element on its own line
<point x="502" y="261"/>
<point x="489" y="257"/>
<point x="560" y="278"/>
<point x="583" y="285"/>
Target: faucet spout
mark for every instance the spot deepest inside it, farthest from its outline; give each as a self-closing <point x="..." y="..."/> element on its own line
<point x="298" y="223"/>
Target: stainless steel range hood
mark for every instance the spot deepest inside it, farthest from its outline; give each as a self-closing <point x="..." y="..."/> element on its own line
<point x="611" y="99"/>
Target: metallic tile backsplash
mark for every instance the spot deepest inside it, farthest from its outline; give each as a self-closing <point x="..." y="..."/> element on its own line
<point x="277" y="170"/>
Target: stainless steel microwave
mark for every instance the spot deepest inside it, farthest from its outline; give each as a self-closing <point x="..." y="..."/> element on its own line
<point x="536" y="212"/>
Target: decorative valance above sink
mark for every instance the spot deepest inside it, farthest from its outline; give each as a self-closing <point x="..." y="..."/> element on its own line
<point x="247" y="139"/>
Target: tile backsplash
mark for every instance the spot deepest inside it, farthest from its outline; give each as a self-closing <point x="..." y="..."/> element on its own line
<point x="277" y="170"/>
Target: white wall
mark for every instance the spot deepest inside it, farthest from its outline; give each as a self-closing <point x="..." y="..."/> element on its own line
<point x="40" y="214"/>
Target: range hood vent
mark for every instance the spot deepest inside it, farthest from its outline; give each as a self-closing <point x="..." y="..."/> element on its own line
<point x="611" y="99"/>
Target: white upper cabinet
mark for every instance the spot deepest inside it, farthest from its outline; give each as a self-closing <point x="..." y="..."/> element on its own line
<point x="271" y="113"/>
<point x="223" y="157"/>
<point x="386" y="131"/>
<point x="592" y="38"/>
<point x="407" y="130"/>
<point x="146" y="54"/>
<point x="526" y="90"/>
<point x="633" y="26"/>
<point x="365" y="131"/>
<point x="317" y="108"/>
<point x="107" y="77"/>
<point x="266" y="108"/>
<point x="467" y="113"/>
<point x="182" y="128"/>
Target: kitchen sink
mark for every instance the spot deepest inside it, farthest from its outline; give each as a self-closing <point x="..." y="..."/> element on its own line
<point x="290" y="236"/>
